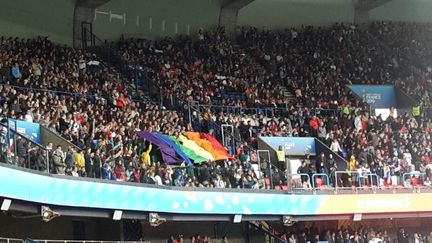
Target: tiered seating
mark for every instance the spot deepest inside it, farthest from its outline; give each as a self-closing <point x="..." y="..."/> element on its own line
<point x="255" y="70"/>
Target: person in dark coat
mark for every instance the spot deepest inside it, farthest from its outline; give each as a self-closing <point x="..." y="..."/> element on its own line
<point x="22" y="148"/>
<point x="88" y="163"/>
<point x="97" y="164"/>
<point x="303" y="169"/>
<point x="402" y="236"/>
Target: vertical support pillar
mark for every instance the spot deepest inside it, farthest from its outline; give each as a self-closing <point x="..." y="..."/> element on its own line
<point x="247" y="239"/>
<point x="228" y="19"/>
<point x="81" y="14"/>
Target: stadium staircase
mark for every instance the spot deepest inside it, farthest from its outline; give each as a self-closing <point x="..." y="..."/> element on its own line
<point x="142" y="87"/>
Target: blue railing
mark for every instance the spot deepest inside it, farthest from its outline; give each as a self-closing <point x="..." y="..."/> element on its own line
<point x="267" y="111"/>
<point x="72" y="94"/>
<point x="411" y="176"/>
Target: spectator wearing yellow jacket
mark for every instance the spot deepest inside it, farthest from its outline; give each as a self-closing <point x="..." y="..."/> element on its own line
<point x="145" y="156"/>
<point x="352" y="163"/>
<point x="79" y="160"/>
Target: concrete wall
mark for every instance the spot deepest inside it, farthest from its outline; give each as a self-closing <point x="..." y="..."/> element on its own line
<point x="404" y="10"/>
<point x="279" y="14"/>
<point x="154" y="18"/>
<point x="28" y="18"/>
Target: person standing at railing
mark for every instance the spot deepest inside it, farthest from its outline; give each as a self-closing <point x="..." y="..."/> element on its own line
<point x="280" y="153"/>
<point x="88" y="163"/>
<point x="58" y="161"/>
<point x="304" y="171"/>
<point x="8" y="158"/>
<point x="322" y="166"/>
<point x="22" y="152"/>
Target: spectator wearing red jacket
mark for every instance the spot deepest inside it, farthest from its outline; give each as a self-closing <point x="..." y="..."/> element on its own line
<point x="314" y="125"/>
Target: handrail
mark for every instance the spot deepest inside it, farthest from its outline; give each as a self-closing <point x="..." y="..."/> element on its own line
<point x="405" y="175"/>
<point x="259" y="110"/>
<point x="407" y="95"/>
<point x="358" y="97"/>
<point x="48" y="130"/>
<point x="333" y="153"/>
<point x="23" y="136"/>
<point x="365" y="174"/>
<point x="71" y="93"/>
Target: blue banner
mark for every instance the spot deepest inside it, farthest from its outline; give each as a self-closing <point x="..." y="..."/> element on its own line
<point x="377" y="96"/>
<point x="67" y="191"/>
<point x="28" y="129"/>
<point x="292" y="145"/>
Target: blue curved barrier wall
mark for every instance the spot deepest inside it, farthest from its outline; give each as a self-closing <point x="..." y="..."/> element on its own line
<point x="22" y="185"/>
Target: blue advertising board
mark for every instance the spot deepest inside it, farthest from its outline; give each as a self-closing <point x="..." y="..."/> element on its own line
<point x="292" y="145"/>
<point x="377" y="96"/>
<point x="66" y="191"/>
<point x="29" y="129"/>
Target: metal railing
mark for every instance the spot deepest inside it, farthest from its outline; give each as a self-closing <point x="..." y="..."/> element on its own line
<point x="267" y="111"/>
<point x="75" y="95"/>
<point x="295" y="182"/>
<point x="36" y="157"/>
<point x="416" y="179"/>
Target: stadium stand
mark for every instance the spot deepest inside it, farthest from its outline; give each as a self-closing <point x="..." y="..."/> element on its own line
<point x="76" y="95"/>
<point x="192" y="121"/>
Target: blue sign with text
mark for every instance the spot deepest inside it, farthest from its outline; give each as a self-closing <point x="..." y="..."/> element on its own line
<point x="292" y="145"/>
<point x="377" y="96"/>
<point x="28" y="129"/>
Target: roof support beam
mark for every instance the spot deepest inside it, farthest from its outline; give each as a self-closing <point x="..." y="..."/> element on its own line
<point x="235" y="4"/>
<point x="229" y="13"/>
<point x="363" y="7"/>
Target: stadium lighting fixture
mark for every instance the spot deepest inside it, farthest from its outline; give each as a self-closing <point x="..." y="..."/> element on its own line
<point x="155" y="220"/>
<point x="117" y="215"/>
<point x="6" y="204"/>
<point x="237" y="218"/>
<point x="288" y="221"/>
<point x="48" y="214"/>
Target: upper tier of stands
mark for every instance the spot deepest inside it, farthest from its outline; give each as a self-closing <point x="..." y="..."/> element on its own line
<point x="303" y="72"/>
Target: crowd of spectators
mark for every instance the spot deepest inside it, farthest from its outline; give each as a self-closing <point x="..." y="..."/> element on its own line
<point x="72" y="93"/>
<point x="195" y="239"/>
<point x="210" y="70"/>
<point x="339" y="235"/>
<point x="361" y="235"/>
<point x="315" y="63"/>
